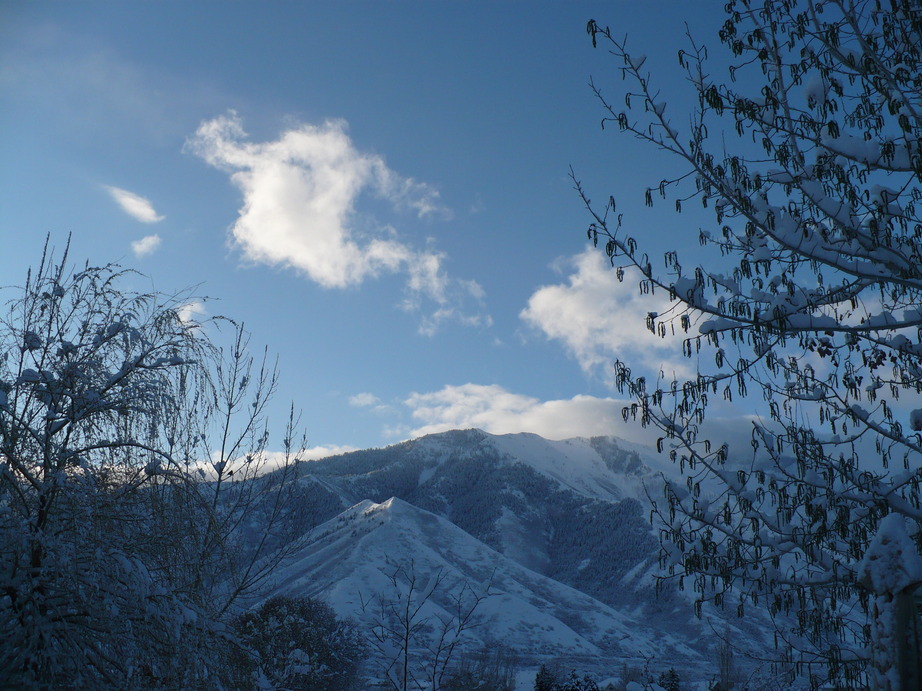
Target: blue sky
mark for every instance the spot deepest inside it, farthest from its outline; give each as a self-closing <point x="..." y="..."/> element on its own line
<point x="378" y="190"/>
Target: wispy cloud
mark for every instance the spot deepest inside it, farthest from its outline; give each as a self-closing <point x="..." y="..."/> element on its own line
<point x="499" y="411"/>
<point x="599" y="318"/>
<point x="363" y="400"/>
<point x="136" y="206"/>
<point x="146" y="245"/>
<point x="370" y="402"/>
<point x="84" y="89"/>
<point x="299" y="208"/>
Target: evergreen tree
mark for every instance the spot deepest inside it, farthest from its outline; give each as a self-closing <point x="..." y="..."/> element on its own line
<point x="669" y="680"/>
<point x="544" y="679"/>
<point x="577" y="683"/>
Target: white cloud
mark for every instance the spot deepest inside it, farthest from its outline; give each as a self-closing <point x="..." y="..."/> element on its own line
<point x="145" y="245"/>
<point x="498" y="411"/>
<point x="191" y="311"/>
<point x="600" y="319"/>
<point x="299" y="208"/>
<point x="270" y="461"/>
<point x="364" y="400"/>
<point x="315" y="453"/>
<point x="134" y="205"/>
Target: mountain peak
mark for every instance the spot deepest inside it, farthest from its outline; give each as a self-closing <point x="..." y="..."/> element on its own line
<point x="560" y="526"/>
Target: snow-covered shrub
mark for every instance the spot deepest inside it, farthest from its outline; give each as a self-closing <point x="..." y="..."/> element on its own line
<point x="120" y="509"/>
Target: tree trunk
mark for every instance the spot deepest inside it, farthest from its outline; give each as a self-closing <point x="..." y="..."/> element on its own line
<point x="894" y="643"/>
<point x="906" y="635"/>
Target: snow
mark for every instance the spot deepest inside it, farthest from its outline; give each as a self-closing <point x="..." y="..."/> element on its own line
<point x="521" y="541"/>
<point x="891" y="569"/>
<point x="575" y="465"/>
<point x="717" y="324"/>
<point x="891" y="562"/>
<point x="689" y="290"/>
<point x="869" y="152"/>
<point x="815" y="89"/>
<point x="348" y="558"/>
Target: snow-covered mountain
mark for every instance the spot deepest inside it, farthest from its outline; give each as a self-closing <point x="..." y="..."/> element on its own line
<point x="562" y="526"/>
<point x="348" y="559"/>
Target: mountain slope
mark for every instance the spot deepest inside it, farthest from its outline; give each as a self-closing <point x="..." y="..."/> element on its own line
<point x="571" y="510"/>
<point x="348" y="559"/>
<point x="564" y="523"/>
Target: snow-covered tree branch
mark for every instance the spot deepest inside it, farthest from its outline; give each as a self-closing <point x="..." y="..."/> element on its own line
<point x="807" y="293"/>
<point x="122" y="510"/>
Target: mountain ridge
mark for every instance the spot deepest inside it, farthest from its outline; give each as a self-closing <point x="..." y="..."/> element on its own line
<point x="564" y="524"/>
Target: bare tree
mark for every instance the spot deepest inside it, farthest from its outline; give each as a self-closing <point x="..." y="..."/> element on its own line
<point x="415" y="645"/>
<point x="804" y="303"/>
<point x="122" y="513"/>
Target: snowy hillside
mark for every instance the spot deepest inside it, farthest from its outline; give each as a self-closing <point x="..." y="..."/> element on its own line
<point x="561" y="525"/>
<point x="572" y="510"/>
<point x="348" y="559"/>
